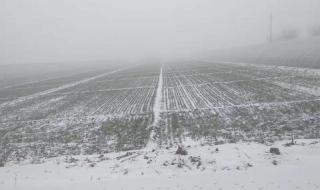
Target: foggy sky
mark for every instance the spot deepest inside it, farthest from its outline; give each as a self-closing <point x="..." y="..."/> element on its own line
<point x="77" y="30"/>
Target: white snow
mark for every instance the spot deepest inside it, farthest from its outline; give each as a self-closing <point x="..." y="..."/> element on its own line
<point x="232" y="166"/>
<point x="158" y="100"/>
<point x="157" y="109"/>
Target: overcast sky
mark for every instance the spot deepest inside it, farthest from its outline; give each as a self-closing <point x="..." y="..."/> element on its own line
<point x="72" y="30"/>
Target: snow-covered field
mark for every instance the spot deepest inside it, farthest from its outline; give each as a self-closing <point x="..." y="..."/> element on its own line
<point x="229" y="166"/>
<point x="98" y="130"/>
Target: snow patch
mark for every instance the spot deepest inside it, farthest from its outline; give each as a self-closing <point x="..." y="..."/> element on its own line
<point x="228" y="166"/>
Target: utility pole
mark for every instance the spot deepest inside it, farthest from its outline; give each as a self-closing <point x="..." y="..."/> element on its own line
<point x="270" y="29"/>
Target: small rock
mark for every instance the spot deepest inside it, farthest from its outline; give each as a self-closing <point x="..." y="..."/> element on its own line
<point x="275" y="162"/>
<point x="289" y="144"/>
<point x="181" y="163"/>
<point x="166" y="163"/>
<point x="219" y="143"/>
<point x="195" y="160"/>
<point x="275" y="151"/>
<point x="125" y="155"/>
<point x="72" y="160"/>
<point x="101" y="156"/>
<point x="181" y="151"/>
<point x="314" y="142"/>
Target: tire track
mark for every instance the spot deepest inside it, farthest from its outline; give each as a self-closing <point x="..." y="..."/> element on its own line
<point x="66" y="86"/>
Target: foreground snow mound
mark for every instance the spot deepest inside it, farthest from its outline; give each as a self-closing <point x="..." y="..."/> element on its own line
<point x="228" y="166"/>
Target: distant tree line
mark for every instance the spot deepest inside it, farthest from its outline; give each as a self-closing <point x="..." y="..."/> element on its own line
<point x="294" y="33"/>
<point x="315" y="30"/>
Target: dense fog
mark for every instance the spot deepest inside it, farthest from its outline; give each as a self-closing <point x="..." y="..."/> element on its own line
<point x="82" y="30"/>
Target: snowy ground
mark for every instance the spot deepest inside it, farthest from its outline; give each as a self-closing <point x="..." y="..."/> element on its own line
<point x="229" y="166"/>
<point x="159" y="107"/>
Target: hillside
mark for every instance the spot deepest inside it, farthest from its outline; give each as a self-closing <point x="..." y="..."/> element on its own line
<point x="297" y="53"/>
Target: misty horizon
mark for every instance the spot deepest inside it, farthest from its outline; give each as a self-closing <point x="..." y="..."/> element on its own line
<point x="63" y="31"/>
